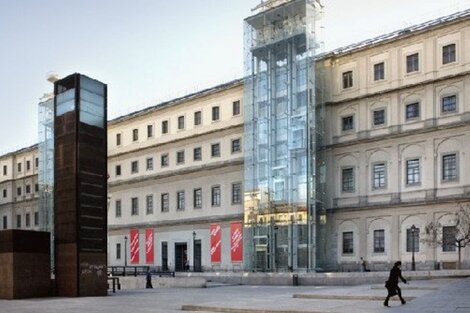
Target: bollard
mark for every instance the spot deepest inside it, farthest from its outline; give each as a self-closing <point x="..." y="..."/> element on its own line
<point x="295" y="280"/>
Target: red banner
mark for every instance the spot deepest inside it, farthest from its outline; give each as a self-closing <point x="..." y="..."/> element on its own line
<point x="149" y="246"/>
<point x="236" y="241"/>
<point x="134" y="246"/>
<point x="216" y="243"/>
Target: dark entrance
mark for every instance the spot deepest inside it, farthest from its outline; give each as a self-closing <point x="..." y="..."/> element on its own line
<point x="164" y="256"/>
<point x="197" y="256"/>
<point x="181" y="256"/>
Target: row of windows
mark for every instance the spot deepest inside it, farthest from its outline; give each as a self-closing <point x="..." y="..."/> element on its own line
<point x="181" y="120"/>
<point x="412" y="65"/>
<point x="27" y="220"/>
<point x="449" y="173"/>
<point x="20" y="166"/>
<point x="19" y="190"/>
<point x="216" y="197"/>
<point x="180" y="157"/>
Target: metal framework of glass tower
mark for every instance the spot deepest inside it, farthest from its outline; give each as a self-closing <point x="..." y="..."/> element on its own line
<point x="284" y="153"/>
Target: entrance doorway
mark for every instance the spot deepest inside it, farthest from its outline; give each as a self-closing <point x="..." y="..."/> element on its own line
<point x="181" y="256"/>
<point x="197" y="256"/>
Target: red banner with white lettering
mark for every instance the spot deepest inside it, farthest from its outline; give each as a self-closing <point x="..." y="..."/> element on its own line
<point x="216" y="243"/>
<point x="149" y="246"/>
<point x="134" y="246"/>
<point x="236" y="241"/>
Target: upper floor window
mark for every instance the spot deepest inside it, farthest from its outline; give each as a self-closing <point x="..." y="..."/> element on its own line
<point x="449" y="167"/>
<point x="118" y="208"/>
<point x="215" y="196"/>
<point x="165" y="202"/>
<point x="149" y="204"/>
<point x="118" y="251"/>
<point x="134" y="167"/>
<point x="135" y="134"/>
<point x="36" y="161"/>
<point x="5" y="193"/>
<point x="347" y="123"/>
<point x="379" y="241"/>
<point x="28" y="165"/>
<point x="164" y="160"/>
<point x="197" y="194"/>
<point x="180" y="200"/>
<point x="28" y="189"/>
<point x="236" y="108"/>
<point x="448" y="54"/>
<point x="379" y="176"/>
<point x="197" y="118"/>
<point x="149" y="164"/>
<point x="18" y="191"/>
<point x="348" y="242"/>
<point x="18" y="221"/>
<point x="449" y="104"/>
<point x="379" y="71"/>
<point x="197" y="154"/>
<point x="448" y="238"/>
<point x="5" y="222"/>
<point x="215" y="113"/>
<point x="379" y="117"/>
<point x="347" y="79"/>
<point x="135" y="206"/>
<point x="236" y="147"/>
<point x="5" y="170"/>
<point x="149" y="131"/>
<point x="36" y="187"/>
<point x="118" y="170"/>
<point x="215" y="150"/>
<point x="412" y="63"/>
<point x="180" y="157"/>
<point x="181" y="122"/>
<point x="164" y="127"/>
<point x="19" y="167"/>
<point x="236" y="193"/>
<point x="36" y="218"/>
<point x="347" y="179"/>
<point x="412" y="240"/>
<point x="118" y="139"/>
<point x="412" y="111"/>
<point x="413" y="175"/>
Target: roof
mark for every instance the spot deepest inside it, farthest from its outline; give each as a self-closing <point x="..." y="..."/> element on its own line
<point x="22" y="150"/>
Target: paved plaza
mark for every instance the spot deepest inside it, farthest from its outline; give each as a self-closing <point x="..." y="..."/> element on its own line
<point x="427" y="296"/>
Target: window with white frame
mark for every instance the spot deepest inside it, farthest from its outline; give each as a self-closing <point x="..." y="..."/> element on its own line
<point x="134" y="167"/>
<point x="164" y="127"/>
<point x="412" y="111"/>
<point x="149" y="131"/>
<point x="449" y="167"/>
<point x="348" y="242"/>
<point x="118" y="209"/>
<point x="379" y="176"/>
<point x="215" y="196"/>
<point x="180" y="157"/>
<point x="135" y="134"/>
<point x="449" y="104"/>
<point x="134" y="206"/>
<point x="237" y="193"/>
<point x="215" y="150"/>
<point x="149" y="204"/>
<point x="413" y="175"/>
<point x="180" y="200"/>
<point x="347" y="123"/>
<point x="149" y="164"/>
<point x="412" y="63"/>
<point x="379" y="71"/>
<point x="347" y="179"/>
<point x="448" y="238"/>
<point x="448" y="54"/>
<point x="164" y="160"/>
<point x="165" y="202"/>
<point x="236" y="146"/>
<point x="197" y="154"/>
<point x="412" y="240"/>
<point x="197" y="198"/>
<point x="379" y="241"/>
<point x="379" y="117"/>
<point x="347" y="79"/>
<point x="215" y="113"/>
<point x="236" y="107"/>
<point x="197" y="118"/>
<point x="181" y="122"/>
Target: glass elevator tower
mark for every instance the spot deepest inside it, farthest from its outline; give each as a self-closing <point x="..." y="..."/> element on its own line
<point x="284" y="152"/>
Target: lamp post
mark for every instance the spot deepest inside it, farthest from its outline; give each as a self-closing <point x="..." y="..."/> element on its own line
<point x="125" y="253"/>
<point x="413" y="231"/>
<point x="194" y="251"/>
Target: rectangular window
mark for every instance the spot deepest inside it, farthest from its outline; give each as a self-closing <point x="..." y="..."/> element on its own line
<point x="347" y="123"/>
<point x="412" y="172"/>
<point x="348" y="179"/>
<point x="449" y="167"/>
<point x="215" y="113"/>
<point x="5" y="172"/>
<point x="180" y="200"/>
<point x="379" y="71"/>
<point x="347" y="79"/>
<point x="348" y="243"/>
<point x="449" y="104"/>
<point x="412" y="111"/>
<point x="27" y="220"/>
<point x="215" y="150"/>
<point x="412" y="63"/>
<point x="197" y="154"/>
<point x="181" y="122"/>
<point x="135" y="134"/>
<point x="412" y="240"/>
<point x="149" y="131"/>
<point x="215" y="196"/>
<point x="165" y="202"/>
<point x="149" y="204"/>
<point x="236" y="193"/>
<point x="36" y="218"/>
<point x="379" y="176"/>
<point x="118" y="251"/>
<point x="18" y="191"/>
<point x="118" y="139"/>
<point x="448" y="54"/>
<point x="164" y="127"/>
<point x="197" y="118"/>
<point x="118" y="209"/>
<point x="18" y="221"/>
<point x="28" y="189"/>
<point x="36" y="161"/>
<point x="4" y="193"/>
<point x="197" y="197"/>
<point x="149" y="164"/>
<point x="36" y="187"/>
<point x="134" y="167"/>
<point x="379" y="117"/>
<point x="180" y="157"/>
<point x="236" y="108"/>
<point x="236" y="147"/>
<point x="165" y="160"/>
<point x="448" y="238"/>
<point x="5" y="222"/>
<point x="19" y="167"/>
<point x="135" y="206"/>
<point x="379" y="241"/>
<point x="28" y="165"/>
<point x="118" y="170"/>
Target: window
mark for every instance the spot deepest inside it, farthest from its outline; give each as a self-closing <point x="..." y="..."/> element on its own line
<point x="236" y="193"/>
<point x="348" y="243"/>
<point x="412" y="240"/>
<point x="164" y="160"/>
<point x="379" y="241"/>
<point x="4" y="193"/>
<point x="36" y="187"/>
<point x="27" y="220"/>
<point x="236" y="147"/>
<point x="180" y="157"/>
<point x="197" y="155"/>
<point x="36" y="162"/>
<point x="412" y="63"/>
<point x="149" y="204"/>
<point x="448" y="54"/>
<point x="236" y="108"/>
<point x="134" y="167"/>
<point x="118" y="139"/>
<point x="28" y="165"/>
<point x="215" y="113"/>
<point x="135" y="134"/>
<point x="36" y="218"/>
<point x="165" y="202"/>
<point x="118" y="251"/>
<point x="28" y="189"/>
<point x="448" y="238"/>
<point x="180" y="200"/>
<point x="118" y="170"/>
<point x="5" y="172"/>
<point x="412" y="110"/>
<point x="197" y="118"/>
<point x="19" y="167"/>
<point x="18" y="191"/>
<point x="449" y="167"/>
<point x="379" y="176"/>
<point x="379" y="117"/>
<point x="149" y="131"/>
<point x="135" y="206"/>
<point x="412" y="172"/>
<point x="215" y="196"/>
<point x="18" y="221"/>
<point x="449" y="104"/>
<point x="215" y="150"/>
<point x="117" y="206"/>
<point x="379" y="71"/>
<point x="347" y="123"/>
<point x="348" y="180"/>
<point x="149" y="164"/>
<point x="181" y="122"/>
<point x="197" y="193"/>
<point x="347" y="79"/>
<point x="5" y="222"/>
<point x="164" y="127"/>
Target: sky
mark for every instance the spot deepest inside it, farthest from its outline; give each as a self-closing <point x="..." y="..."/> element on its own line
<point x="149" y="51"/>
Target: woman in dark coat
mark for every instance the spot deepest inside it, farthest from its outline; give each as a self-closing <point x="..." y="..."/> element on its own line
<point x="392" y="283"/>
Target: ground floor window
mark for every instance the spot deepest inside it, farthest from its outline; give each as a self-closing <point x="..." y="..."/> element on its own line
<point x="379" y="241"/>
<point x="348" y="244"/>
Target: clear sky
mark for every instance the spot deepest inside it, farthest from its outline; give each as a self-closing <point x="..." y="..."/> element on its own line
<point x="148" y="51"/>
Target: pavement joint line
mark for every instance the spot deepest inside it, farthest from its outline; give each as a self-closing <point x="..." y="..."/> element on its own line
<point x="202" y="308"/>
<point x="346" y="297"/>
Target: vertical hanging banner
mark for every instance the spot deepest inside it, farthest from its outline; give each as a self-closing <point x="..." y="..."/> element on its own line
<point x="149" y="246"/>
<point x="236" y="241"/>
<point x="216" y="243"/>
<point x="134" y="246"/>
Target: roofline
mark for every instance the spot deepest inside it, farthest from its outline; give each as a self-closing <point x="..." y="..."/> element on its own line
<point x="19" y="151"/>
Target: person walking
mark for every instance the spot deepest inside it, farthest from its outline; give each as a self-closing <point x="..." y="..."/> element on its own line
<point x="149" y="280"/>
<point x="392" y="283"/>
